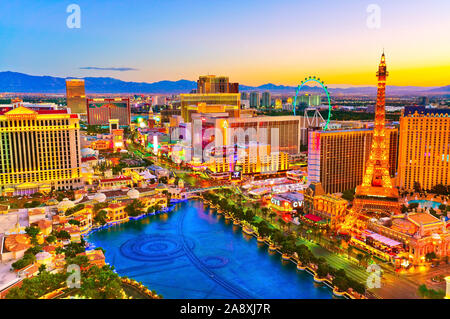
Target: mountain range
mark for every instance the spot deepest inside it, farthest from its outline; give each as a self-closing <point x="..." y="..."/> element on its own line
<point x="14" y="82"/>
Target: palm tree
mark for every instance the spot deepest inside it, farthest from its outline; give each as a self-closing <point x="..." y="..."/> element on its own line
<point x="272" y="215"/>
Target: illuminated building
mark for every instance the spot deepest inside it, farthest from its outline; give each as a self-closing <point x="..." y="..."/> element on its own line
<point x="266" y="99"/>
<point x="100" y="111"/>
<point x="310" y="99"/>
<point x="100" y="145"/>
<point x="117" y="140"/>
<point x="95" y="258"/>
<point x="413" y="235"/>
<point x="115" y="183"/>
<point x="424" y="153"/>
<point x="377" y="193"/>
<point x="209" y="103"/>
<point x="283" y="133"/>
<point x="39" y="150"/>
<point x="116" y="212"/>
<point x="255" y="99"/>
<point x="216" y="84"/>
<point x="287" y="202"/>
<point x="257" y="161"/>
<point x="282" y="130"/>
<point x="337" y="158"/>
<point x="76" y="96"/>
<point x="327" y="206"/>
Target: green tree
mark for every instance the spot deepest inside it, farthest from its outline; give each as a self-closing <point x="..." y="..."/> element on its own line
<point x="135" y="208"/>
<point x="32" y="231"/>
<point x="101" y="283"/>
<point x="100" y="217"/>
<point x="74" y="222"/>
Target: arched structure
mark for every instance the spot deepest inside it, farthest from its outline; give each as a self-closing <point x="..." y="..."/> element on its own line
<point x="316" y="112"/>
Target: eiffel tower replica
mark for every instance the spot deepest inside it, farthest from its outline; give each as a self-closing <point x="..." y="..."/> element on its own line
<point x="376" y="194"/>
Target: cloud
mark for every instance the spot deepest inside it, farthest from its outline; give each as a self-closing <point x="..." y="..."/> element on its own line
<point x="107" y="69"/>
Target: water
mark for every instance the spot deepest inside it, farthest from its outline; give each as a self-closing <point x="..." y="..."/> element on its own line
<point x="193" y="253"/>
<point x="426" y="203"/>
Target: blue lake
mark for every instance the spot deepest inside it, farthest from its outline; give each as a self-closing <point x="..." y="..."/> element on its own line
<point x="192" y="252"/>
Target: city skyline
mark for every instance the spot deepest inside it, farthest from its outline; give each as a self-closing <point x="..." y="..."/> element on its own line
<point x="145" y="44"/>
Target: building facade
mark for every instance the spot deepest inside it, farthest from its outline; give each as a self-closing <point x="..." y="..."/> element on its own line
<point x="216" y="84"/>
<point x="337" y="158"/>
<point x="255" y="99"/>
<point x="424" y="150"/>
<point x="100" y="111"/>
<point x="266" y="99"/>
<point x="39" y="151"/>
<point x="209" y="103"/>
<point x="76" y="96"/>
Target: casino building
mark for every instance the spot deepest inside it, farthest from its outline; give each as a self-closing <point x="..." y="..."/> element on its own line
<point x="337" y="159"/>
<point x="100" y="111"/>
<point x="424" y="154"/>
<point x="39" y="151"/>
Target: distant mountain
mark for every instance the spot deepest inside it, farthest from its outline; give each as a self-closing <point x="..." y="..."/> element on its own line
<point x="15" y="82"/>
<point x="24" y="83"/>
<point x="444" y="89"/>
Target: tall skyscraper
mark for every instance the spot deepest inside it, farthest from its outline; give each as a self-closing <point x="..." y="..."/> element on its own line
<point x="40" y="150"/>
<point x="337" y="159"/>
<point x="310" y="99"/>
<point x="216" y="84"/>
<point x="266" y="99"/>
<point x="424" y="155"/>
<point x="255" y="99"/>
<point x="377" y="191"/>
<point x="76" y="96"/>
<point x="100" y="111"/>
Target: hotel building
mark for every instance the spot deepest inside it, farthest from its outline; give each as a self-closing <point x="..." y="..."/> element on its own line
<point x="39" y="150"/>
<point x="424" y="152"/>
<point x="209" y="103"/>
<point x="257" y="161"/>
<point x="100" y="111"/>
<point x="216" y="84"/>
<point x="76" y="96"/>
<point x="337" y="159"/>
<point x="255" y="99"/>
<point x="266" y="99"/>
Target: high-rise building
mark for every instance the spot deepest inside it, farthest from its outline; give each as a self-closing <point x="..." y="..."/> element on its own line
<point x="255" y="99"/>
<point x="310" y="99"/>
<point x="266" y="99"/>
<point x="244" y="95"/>
<point x="377" y="192"/>
<point x="39" y="151"/>
<point x="209" y="103"/>
<point x="216" y="84"/>
<point x="100" y="111"/>
<point x="337" y="159"/>
<point x="424" y="154"/>
<point x="76" y="96"/>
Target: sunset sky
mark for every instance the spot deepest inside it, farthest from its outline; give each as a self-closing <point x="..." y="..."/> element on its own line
<point x="253" y="42"/>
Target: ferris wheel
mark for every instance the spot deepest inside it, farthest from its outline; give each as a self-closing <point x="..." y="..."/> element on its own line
<point x="316" y="117"/>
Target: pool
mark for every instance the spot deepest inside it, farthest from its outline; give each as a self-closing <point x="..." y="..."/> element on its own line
<point x="426" y="203"/>
<point x="193" y="253"/>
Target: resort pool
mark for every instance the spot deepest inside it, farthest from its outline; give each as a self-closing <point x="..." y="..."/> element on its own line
<point x="426" y="203"/>
<point x="193" y="253"/>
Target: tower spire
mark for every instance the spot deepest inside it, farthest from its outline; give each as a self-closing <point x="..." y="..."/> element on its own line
<point x="376" y="179"/>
